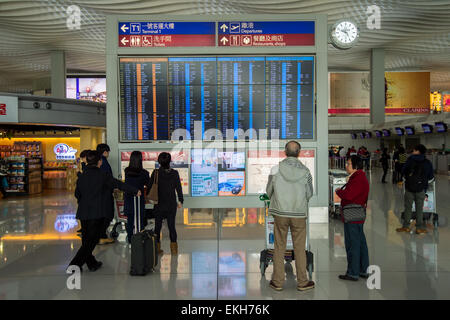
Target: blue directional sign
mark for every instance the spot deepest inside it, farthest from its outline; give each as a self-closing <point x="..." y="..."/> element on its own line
<point x="266" y="27"/>
<point x="166" y="28"/>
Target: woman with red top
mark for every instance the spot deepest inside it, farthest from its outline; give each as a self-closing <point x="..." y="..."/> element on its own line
<point x="356" y="191"/>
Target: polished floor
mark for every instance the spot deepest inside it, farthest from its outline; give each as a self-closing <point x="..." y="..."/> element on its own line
<point x="219" y="254"/>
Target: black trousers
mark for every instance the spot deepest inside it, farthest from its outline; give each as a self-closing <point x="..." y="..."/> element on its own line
<point x="170" y="216"/>
<point x="104" y="228"/>
<point x="91" y="235"/>
<point x="385" y="170"/>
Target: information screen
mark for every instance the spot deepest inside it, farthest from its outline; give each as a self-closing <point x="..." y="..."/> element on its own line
<point x="161" y="95"/>
<point x="260" y="163"/>
<point x="204" y="172"/>
<point x="231" y="173"/>
<point x="179" y="162"/>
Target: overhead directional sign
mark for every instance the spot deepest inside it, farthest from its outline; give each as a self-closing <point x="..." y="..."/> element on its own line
<point x="167" y="34"/>
<point x="266" y="33"/>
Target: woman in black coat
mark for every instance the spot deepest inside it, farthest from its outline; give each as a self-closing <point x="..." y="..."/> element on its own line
<point x="136" y="176"/>
<point x="385" y="164"/>
<point x="168" y="182"/>
<point x="92" y="193"/>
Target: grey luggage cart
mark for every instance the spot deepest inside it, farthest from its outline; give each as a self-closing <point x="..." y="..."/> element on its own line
<point x="429" y="206"/>
<point x="337" y="179"/>
<point x="266" y="256"/>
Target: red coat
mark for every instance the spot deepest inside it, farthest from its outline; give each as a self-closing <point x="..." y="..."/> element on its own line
<point x="356" y="191"/>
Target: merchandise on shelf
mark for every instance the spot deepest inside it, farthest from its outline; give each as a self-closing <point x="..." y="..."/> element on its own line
<point x="24" y="174"/>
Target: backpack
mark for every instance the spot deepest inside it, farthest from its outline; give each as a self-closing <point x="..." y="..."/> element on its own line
<point x="416" y="180"/>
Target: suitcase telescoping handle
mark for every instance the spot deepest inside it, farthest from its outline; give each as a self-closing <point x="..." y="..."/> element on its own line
<point x="137" y="215"/>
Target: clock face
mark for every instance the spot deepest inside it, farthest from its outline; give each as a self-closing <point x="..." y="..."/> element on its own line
<point x="344" y="34"/>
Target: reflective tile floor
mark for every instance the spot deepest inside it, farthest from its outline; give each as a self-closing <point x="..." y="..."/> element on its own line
<point x="219" y="254"/>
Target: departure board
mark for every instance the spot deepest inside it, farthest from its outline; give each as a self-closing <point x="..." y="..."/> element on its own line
<point x="159" y="95"/>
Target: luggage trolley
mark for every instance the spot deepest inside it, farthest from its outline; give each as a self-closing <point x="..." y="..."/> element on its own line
<point x="337" y="179"/>
<point x="119" y="231"/>
<point x="429" y="206"/>
<point x="266" y="256"/>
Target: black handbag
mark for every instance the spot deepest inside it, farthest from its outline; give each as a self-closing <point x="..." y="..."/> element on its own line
<point x="353" y="212"/>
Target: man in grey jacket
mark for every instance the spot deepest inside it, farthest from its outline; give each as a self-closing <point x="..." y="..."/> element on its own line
<point x="289" y="189"/>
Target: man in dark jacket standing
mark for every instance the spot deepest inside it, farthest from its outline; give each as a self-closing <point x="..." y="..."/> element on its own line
<point x="92" y="193"/>
<point x="417" y="172"/>
<point x="104" y="150"/>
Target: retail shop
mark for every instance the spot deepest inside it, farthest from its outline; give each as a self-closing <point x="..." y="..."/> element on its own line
<point x="45" y="158"/>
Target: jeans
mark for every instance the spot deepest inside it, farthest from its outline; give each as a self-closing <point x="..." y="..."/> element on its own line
<point x="418" y="198"/>
<point x="170" y="216"/>
<point x="357" y="251"/>
<point x="298" y="232"/>
<point x="89" y="239"/>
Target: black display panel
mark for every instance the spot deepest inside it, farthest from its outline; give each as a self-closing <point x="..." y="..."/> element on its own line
<point x="427" y="128"/>
<point x="161" y="95"/>
<point x="409" y="131"/>
<point x="399" y="131"/>
<point x="441" y="127"/>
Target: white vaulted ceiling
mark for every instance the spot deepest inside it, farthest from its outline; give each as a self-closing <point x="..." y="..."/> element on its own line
<point x="415" y="34"/>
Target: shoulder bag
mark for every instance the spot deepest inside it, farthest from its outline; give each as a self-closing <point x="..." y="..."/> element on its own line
<point x="153" y="194"/>
<point x="353" y="212"/>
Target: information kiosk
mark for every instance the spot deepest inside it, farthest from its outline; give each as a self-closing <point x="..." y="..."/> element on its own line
<point x="223" y="95"/>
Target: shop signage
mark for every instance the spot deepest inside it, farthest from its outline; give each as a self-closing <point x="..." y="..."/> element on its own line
<point x="64" y="152"/>
<point x="9" y="109"/>
<point x="167" y="34"/>
<point x="388" y="111"/>
<point x="266" y="34"/>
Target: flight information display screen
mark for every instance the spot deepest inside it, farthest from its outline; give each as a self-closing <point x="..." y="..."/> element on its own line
<point x="159" y="95"/>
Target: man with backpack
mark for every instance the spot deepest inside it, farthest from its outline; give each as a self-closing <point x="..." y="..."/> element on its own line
<point x="417" y="172"/>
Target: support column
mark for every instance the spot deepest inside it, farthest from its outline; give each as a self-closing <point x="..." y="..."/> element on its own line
<point x="377" y="86"/>
<point x="58" y="73"/>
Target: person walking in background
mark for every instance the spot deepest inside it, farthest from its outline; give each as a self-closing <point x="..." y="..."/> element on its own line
<point x="385" y="163"/>
<point x="342" y="152"/>
<point x="83" y="161"/>
<point x="83" y="165"/>
<point x="402" y="157"/>
<point x="355" y="192"/>
<point x="104" y="151"/>
<point x="138" y="177"/>
<point x="92" y="193"/>
<point x="169" y="182"/>
<point x="289" y="189"/>
<point x="418" y="171"/>
<point x="396" y="173"/>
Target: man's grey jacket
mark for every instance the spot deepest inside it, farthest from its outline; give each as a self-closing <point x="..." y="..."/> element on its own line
<point x="289" y="189"/>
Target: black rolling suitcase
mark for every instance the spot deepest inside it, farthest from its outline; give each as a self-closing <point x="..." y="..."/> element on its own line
<point x="144" y="255"/>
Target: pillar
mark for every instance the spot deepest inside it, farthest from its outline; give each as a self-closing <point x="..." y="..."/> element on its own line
<point x="377" y="86"/>
<point x="58" y="73"/>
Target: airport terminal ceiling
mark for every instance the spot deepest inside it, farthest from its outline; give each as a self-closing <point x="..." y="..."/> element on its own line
<point x="30" y="30"/>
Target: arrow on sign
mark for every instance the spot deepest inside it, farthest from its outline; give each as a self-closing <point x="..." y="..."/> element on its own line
<point x="224" y="27"/>
<point x="124" y="41"/>
<point x="124" y="28"/>
<point x="224" y="40"/>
